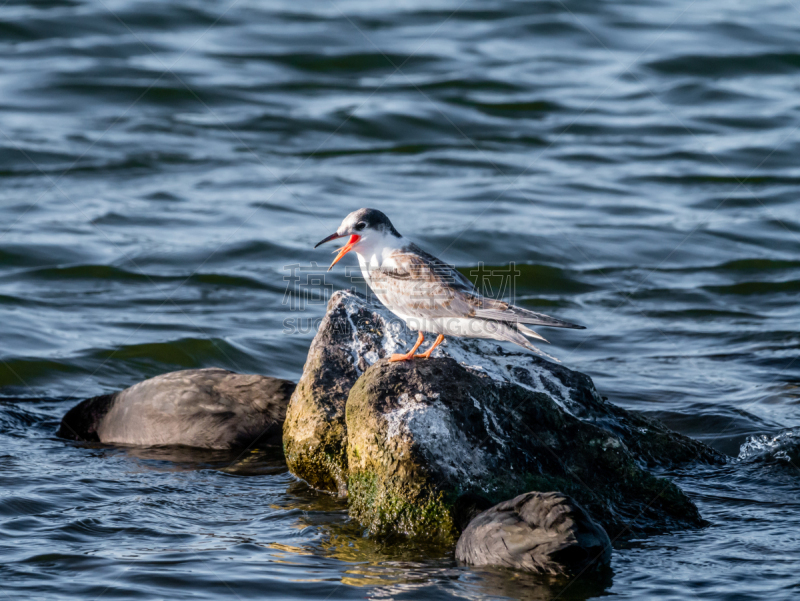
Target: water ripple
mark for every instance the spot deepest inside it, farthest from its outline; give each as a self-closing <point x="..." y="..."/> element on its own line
<point x="165" y="164"/>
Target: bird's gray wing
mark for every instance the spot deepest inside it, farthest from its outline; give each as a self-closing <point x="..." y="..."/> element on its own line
<point x="421" y="285"/>
<point x="428" y="287"/>
<point x="503" y="311"/>
<point x="411" y="262"/>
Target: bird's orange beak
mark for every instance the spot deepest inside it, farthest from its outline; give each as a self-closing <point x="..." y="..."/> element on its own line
<point x="354" y="238"/>
<point x="345" y="249"/>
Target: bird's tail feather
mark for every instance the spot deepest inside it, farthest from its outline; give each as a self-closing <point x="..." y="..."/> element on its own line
<point x="530" y="333"/>
<point x="512" y="335"/>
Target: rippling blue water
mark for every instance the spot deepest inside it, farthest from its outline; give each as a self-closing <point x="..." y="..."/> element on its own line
<point x="161" y="163"/>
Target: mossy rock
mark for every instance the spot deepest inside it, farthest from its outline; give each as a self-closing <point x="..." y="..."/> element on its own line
<point x="387" y="510"/>
<point x="424" y="433"/>
<point x="314" y="433"/>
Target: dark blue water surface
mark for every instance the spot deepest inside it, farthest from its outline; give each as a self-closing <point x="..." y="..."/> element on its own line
<point x="162" y="163"/>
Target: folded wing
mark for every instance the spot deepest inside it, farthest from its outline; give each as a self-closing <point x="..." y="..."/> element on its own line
<point x="426" y="286"/>
<point x="512" y="313"/>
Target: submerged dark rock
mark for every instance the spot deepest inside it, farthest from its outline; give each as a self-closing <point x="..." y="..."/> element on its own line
<point x="208" y="408"/>
<point x="407" y="440"/>
<point x="546" y="533"/>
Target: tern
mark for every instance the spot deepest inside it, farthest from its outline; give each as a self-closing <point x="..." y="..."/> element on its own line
<point x="428" y="294"/>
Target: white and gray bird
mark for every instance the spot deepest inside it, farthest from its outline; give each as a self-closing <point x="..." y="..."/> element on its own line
<point x="428" y="294"/>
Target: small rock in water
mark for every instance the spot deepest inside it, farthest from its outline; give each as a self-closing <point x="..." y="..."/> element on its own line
<point x="546" y="533"/>
<point x="206" y="408"/>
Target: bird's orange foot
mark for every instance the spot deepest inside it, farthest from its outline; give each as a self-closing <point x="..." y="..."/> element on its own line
<point x="427" y="354"/>
<point x="409" y="354"/>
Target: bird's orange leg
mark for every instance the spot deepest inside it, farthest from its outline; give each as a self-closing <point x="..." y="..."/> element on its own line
<point x="427" y="353"/>
<point x="409" y="354"/>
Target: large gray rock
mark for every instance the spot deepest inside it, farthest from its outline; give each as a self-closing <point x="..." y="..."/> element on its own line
<point x="422" y="434"/>
<point x="546" y="533"/>
<point x="209" y="408"/>
<point x="357" y="332"/>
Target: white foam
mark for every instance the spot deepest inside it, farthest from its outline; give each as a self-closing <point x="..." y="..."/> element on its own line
<point x="430" y="425"/>
<point x="764" y="447"/>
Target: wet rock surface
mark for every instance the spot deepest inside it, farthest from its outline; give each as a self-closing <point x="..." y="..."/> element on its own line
<point x="407" y="440"/>
<point x="546" y="533"/>
<point x="423" y="433"/>
<point x="206" y="408"/>
<point x="314" y="434"/>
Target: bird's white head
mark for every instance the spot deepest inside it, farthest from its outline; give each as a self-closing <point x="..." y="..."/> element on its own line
<point x="369" y="231"/>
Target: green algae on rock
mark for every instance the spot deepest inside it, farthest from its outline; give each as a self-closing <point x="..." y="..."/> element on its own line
<point x="314" y="433"/>
<point x="350" y="338"/>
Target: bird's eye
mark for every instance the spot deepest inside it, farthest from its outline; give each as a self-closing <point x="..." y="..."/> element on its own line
<point x="360" y="226"/>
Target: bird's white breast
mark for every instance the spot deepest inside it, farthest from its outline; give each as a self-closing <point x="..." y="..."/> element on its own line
<point x="371" y="260"/>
